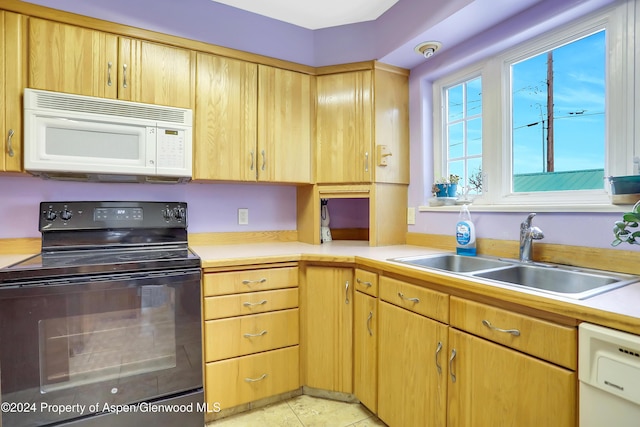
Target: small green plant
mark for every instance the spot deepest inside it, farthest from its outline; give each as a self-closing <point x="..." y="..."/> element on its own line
<point x="623" y="229"/>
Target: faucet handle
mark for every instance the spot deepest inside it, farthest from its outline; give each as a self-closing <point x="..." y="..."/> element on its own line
<point x="527" y="222"/>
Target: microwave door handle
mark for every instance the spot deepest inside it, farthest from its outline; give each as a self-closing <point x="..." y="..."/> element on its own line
<point x="151" y="147"/>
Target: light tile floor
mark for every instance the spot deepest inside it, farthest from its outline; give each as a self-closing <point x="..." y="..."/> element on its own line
<point x="304" y="411"/>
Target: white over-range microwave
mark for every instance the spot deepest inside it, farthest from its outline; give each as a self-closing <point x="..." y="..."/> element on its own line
<point x="96" y="139"/>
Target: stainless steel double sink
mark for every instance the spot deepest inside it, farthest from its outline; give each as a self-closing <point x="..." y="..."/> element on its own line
<point x="566" y="281"/>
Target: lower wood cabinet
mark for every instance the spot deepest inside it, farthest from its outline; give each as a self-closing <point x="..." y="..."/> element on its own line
<point x="412" y="369"/>
<point x="251" y="334"/>
<point x="491" y="385"/>
<point x="327" y="328"/>
<point x="244" y="379"/>
<point x="365" y="350"/>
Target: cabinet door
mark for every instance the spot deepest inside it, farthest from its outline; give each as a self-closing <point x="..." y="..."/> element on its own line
<point x="284" y="125"/>
<point x="159" y="74"/>
<point x="412" y="369"/>
<point x="497" y="386"/>
<point x="327" y="328"/>
<point x="365" y="348"/>
<point x="66" y="58"/>
<point x="344" y="128"/>
<point x="13" y="70"/>
<point x="225" y="119"/>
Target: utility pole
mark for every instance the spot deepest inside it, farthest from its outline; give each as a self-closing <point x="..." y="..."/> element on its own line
<point x="550" y="154"/>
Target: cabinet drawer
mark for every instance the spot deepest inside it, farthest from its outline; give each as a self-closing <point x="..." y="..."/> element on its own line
<point x="249" y="280"/>
<point x="249" y="303"/>
<point x="245" y="379"/>
<point x="225" y="338"/>
<point x="420" y="300"/>
<point x="540" y="338"/>
<point x="366" y="282"/>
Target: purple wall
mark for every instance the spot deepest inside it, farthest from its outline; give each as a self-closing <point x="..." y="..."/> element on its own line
<point x="212" y="207"/>
<point x="581" y="229"/>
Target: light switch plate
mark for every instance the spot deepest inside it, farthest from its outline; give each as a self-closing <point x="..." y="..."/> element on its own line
<point x="243" y="216"/>
<point x="411" y="216"/>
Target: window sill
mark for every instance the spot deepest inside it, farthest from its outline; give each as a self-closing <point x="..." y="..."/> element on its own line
<point x="596" y="208"/>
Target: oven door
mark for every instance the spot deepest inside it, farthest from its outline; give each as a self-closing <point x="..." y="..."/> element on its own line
<point x="78" y="347"/>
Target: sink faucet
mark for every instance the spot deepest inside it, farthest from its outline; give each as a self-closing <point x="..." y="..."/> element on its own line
<point x="528" y="234"/>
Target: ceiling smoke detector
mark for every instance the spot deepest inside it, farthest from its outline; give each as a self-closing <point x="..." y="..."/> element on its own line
<point x="427" y="49"/>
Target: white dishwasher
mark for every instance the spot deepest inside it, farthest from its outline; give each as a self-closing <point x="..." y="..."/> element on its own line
<point x="609" y="372"/>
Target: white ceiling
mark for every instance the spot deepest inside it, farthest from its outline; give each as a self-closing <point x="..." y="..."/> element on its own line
<point x="314" y="14"/>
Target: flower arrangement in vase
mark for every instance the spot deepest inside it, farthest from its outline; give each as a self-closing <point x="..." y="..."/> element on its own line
<point x="446" y="187"/>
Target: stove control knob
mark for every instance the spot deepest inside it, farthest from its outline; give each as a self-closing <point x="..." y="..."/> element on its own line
<point x="50" y="215"/>
<point x="66" y="215"/>
<point x="166" y="214"/>
<point x="178" y="213"/>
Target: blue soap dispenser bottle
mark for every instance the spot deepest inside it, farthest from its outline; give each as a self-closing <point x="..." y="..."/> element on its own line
<point x="465" y="233"/>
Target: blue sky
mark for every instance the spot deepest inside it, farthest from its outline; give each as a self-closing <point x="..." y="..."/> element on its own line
<point x="579" y="105"/>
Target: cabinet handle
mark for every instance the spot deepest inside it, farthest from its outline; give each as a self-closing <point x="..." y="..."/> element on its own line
<point x="453" y="356"/>
<point x="259" y="334"/>
<point x="368" y="284"/>
<point x="109" y="64"/>
<point x="514" y="332"/>
<point x="346" y="293"/>
<point x="251" y="304"/>
<point x="124" y="75"/>
<point x="251" y="160"/>
<point x="264" y="159"/>
<point x="248" y="282"/>
<point x="401" y="295"/>
<point x="366" y="161"/>
<point x="10" y="144"/>
<point x="369" y="323"/>
<point x="438" y="350"/>
<point x="253" y="380"/>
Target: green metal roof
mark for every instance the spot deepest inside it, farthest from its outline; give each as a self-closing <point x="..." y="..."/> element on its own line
<point x="557" y="181"/>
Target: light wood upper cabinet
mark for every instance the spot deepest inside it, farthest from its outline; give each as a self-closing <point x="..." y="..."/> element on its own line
<point x="326" y="328"/>
<point x="159" y="74"/>
<point x="13" y="78"/>
<point x="363" y="126"/>
<point x="67" y="58"/>
<point x="496" y="386"/>
<point x="71" y="59"/>
<point x="253" y="122"/>
<point x="225" y="119"/>
<point x="344" y="132"/>
<point x="285" y="113"/>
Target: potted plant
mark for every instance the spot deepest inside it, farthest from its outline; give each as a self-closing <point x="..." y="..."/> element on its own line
<point x="446" y="187"/>
<point x="623" y="229"/>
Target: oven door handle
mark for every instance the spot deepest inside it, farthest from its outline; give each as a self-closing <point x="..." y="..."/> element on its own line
<point x="101" y="278"/>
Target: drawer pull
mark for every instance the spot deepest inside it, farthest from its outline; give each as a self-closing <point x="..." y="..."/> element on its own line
<point x="438" y="350"/>
<point x="259" y="334"/>
<point x="453" y="356"/>
<point x="367" y="284"/>
<point x="248" y="282"/>
<point x="401" y="295"/>
<point x="251" y="304"/>
<point x="369" y="323"/>
<point x="514" y="332"/>
<point x="253" y="380"/>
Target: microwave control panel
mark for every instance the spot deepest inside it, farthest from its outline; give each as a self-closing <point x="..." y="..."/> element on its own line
<point x="170" y="148"/>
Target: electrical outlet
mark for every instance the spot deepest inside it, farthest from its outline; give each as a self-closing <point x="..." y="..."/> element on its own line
<point x="243" y="216"/>
<point x="411" y="216"/>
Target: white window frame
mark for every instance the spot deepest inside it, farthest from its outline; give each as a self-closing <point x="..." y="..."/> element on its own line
<point x="619" y="22"/>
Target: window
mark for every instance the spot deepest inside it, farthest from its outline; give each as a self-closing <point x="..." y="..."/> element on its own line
<point x="543" y="123"/>
<point x="558" y="118"/>
<point x="464" y="132"/>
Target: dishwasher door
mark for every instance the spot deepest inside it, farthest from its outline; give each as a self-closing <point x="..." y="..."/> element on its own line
<point x="609" y="373"/>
